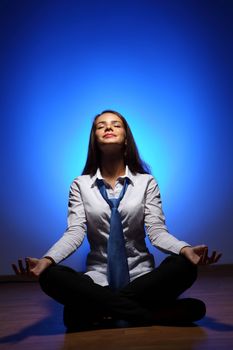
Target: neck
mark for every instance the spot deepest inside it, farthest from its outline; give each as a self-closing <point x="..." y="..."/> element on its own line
<point x="112" y="166"/>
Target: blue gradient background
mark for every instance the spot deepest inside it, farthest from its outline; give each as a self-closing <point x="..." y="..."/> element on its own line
<point x="167" y="66"/>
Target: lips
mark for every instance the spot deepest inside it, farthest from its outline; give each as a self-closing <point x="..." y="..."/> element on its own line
<point x="109" y="135"/>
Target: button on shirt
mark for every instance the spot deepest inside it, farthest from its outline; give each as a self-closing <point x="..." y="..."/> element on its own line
<point x="141" y="213"/>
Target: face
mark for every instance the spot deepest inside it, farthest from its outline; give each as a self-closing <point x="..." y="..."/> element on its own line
<point x="110" y="130"/>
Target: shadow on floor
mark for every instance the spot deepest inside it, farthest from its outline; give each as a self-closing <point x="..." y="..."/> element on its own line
<point x="50" y="325"/>
<point x="212" y="323"/>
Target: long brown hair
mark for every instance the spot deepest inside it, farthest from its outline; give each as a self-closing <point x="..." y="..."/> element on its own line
<point x="131" y="154"/>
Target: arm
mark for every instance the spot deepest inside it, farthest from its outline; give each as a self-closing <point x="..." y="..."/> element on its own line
<point x="76" y="229"/>
<point x="159" y="236"/>
<point x="69" y="242"/>
<point x="155" y="222"/>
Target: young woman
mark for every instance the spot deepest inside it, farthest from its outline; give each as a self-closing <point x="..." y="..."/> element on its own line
<point x="116" y="201"/>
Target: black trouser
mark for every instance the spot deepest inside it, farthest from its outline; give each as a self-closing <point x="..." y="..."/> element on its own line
<point x="136" y="301"/>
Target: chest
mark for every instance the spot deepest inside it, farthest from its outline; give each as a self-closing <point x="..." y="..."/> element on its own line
<point x="131" y="206"/>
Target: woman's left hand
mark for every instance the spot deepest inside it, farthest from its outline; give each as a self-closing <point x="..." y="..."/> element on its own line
<point x="198" y="255"/>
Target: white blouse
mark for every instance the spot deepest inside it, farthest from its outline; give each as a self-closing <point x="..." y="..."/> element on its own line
<point x="141" y="212"/>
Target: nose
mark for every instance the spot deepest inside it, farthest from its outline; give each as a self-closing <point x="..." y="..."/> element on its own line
<point x="108" y="127"/>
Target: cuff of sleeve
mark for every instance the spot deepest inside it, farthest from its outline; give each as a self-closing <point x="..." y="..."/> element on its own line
<point x="180" y="245"/>
<point x="49" y="258"/>
<point x="53" y="256"/>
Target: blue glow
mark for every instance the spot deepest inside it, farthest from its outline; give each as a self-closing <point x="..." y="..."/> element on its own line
<point x="166" y="66"/>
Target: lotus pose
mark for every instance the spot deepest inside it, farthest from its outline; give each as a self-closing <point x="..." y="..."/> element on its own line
<point x="116" y="202"/>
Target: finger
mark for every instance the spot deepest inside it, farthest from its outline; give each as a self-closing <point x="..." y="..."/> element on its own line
<point x="196" y="260"/>
<point x="214" y="254"/>
<point x="215" y="257"/>
<point x="32" y="261"/>
<point x="21" y="267"/>
<point x="27" y="265"/>
<point x="16" y="270"/>
<point x="211" y="259"/>
<point x="199" y="249"/>
<point x="204" y="256"/>
<point x="35" y="272"/>
<point x="218" y="256"/>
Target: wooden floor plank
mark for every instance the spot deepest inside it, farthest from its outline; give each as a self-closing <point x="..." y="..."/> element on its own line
<point x="30" y="320"/>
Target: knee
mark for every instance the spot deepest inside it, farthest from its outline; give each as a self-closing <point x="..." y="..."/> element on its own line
<point x="188" y="271"/>
<point x="47" y="277"/>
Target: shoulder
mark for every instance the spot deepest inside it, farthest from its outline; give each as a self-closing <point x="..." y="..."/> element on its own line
<point x="81" y="181"/>
<point x="146" y="179"/>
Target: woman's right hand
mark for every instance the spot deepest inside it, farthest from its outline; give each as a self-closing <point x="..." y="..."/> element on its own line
<point x="33" y="266"/>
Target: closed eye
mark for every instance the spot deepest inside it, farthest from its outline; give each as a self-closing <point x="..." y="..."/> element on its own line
<point x="118" y="125"/>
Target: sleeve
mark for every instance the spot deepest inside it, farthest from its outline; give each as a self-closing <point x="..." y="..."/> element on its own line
<point x="76" y="229"/>
<point x="154" y="220"/>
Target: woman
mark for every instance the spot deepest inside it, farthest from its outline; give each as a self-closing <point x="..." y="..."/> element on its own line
<point x="114" y="201"/>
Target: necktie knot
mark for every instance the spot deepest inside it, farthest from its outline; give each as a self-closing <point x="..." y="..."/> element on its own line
<point x="114" y="203"/>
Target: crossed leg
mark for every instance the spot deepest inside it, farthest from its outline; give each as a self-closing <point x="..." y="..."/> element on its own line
<point x="146" y="300"/>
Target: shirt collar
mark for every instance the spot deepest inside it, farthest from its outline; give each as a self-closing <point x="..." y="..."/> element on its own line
<point x="128" y="174"/>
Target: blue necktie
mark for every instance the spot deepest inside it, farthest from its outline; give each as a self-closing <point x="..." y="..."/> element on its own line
<point x="118" y="270"/>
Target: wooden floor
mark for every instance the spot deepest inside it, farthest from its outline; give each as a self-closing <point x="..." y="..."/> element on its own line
<point x="30" y="320"/>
